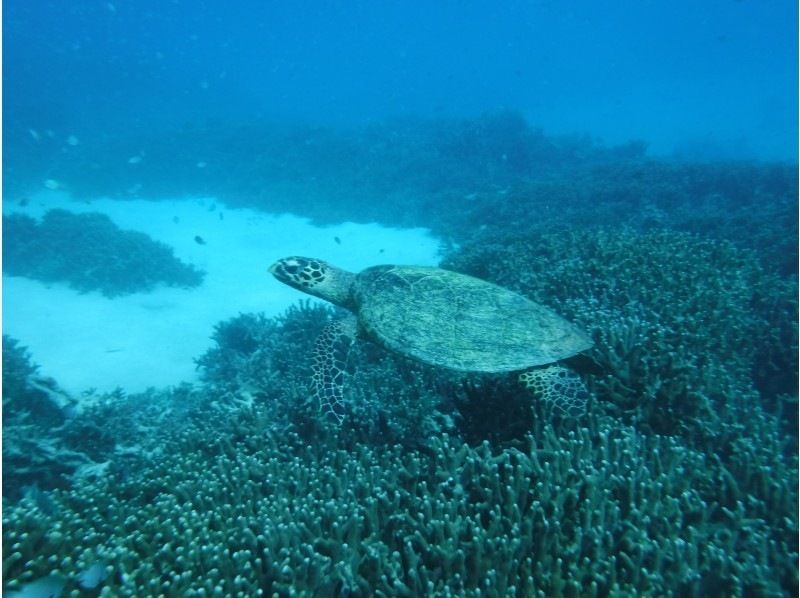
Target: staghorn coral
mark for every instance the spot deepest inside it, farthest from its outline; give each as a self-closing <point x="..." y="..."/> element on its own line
<point x="601" y="508"/>
<point x="17" y="369"/>
<point x="26" y="393"/>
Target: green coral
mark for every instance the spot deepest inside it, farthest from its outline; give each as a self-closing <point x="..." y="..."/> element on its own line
<point x="250" y="350"/>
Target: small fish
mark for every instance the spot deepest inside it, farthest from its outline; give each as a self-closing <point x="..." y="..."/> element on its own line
<point x="52" y="184"/>
<point x="201" y="164"/>
<point x="50" y="586"/>
<point x="175" y="219"/>
<point x="24" y="202"/>
<point x="199" y="240"/>
<point x="72" y="140"/>
<point x="338" y="240"/>
<point x="380" y="251"/>
<point x="92" y="576"/>
<point x="134" y="159"/>
<point x="221" y="216"/>
<point x="35" y="134"/>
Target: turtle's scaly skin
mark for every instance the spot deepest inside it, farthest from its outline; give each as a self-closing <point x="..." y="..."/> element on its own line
<point x="559" y="387"/>
<point x="329" y="367"/>
<point x="456" y="321"/>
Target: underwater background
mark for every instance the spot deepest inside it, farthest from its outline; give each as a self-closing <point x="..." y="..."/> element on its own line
<point x="630" y="165"/>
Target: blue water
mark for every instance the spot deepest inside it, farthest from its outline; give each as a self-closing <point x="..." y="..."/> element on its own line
<point x="717" y="78"/>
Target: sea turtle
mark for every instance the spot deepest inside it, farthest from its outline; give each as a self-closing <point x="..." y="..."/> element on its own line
<point x="442" y="318"/>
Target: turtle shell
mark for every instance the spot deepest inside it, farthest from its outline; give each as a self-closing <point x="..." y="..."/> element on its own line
<point x="460" y="322"/>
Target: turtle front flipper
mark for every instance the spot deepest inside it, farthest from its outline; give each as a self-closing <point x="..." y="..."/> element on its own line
<point x="329" y="367"/>
<point x="559" y="387"/>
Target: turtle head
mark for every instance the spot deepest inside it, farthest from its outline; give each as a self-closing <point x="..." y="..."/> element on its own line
<point x="315" y="277"/>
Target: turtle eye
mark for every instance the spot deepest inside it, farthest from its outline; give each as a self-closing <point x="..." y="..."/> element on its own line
<point x="295" y="266"/>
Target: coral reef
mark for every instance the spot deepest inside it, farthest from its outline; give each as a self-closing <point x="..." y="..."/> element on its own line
<point x="680" y="479"/>
<point x="687" y="331"/>
<point x="231" y="510"/>
<point x="89" y="252"/>
<point x="34" y="412"/>
<point x="52" y="440"/>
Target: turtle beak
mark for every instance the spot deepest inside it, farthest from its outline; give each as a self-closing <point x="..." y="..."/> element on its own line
<point x="284" y="270"/>
<point x="278" y="271"/>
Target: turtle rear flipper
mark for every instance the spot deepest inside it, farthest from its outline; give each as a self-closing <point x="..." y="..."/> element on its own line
<point x="559" y="387"/>
<point x="329" y="367"/>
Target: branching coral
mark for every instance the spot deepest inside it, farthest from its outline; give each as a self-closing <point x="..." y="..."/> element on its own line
<point x="686" y="330"/>
<point x="602" y="507"/>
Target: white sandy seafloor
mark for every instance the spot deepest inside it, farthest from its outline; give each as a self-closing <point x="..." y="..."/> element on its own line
<point x="87" y="341"/>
